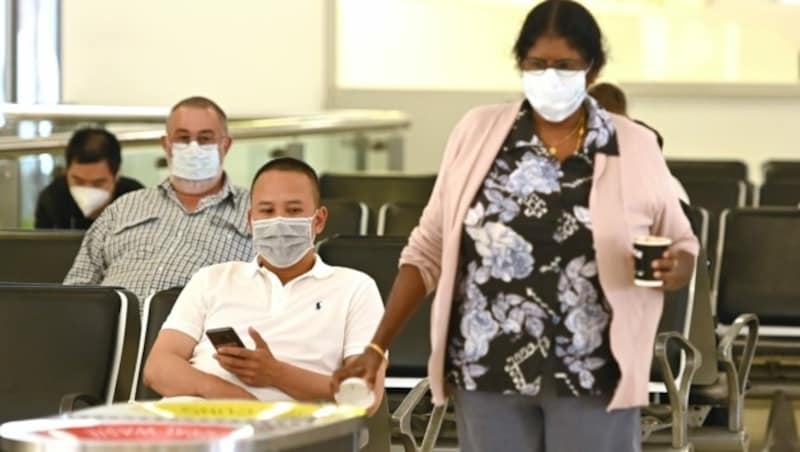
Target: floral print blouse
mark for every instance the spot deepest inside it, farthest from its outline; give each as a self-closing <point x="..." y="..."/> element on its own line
<point x="529" y="306"/>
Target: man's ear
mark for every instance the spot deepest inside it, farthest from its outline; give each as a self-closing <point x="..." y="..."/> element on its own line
<point x="250" y="220"/>
<point x="226" y="145"/>
<point x="320" y="220"/>
<point x="165" y="145"/>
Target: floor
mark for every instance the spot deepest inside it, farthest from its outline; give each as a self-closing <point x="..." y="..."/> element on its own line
<point x="756" y="414"/>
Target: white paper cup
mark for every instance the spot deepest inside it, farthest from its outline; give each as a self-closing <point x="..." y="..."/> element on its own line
<point x="355" y="392"/>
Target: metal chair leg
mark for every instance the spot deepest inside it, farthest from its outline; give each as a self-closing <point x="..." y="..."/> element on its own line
<point x="401" y="421"/>
<point x="781" y="435"/>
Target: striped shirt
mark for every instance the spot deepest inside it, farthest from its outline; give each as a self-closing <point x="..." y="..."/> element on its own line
<point x="146" y="241"/>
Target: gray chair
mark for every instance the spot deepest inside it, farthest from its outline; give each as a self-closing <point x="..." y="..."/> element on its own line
<point x="376" y="190"/>
<point x="720" y="380"/>
<point x="781" y="170"/>
<point x="722" y="385"/>
<point x="155" y="311"/>
<point x="700" y="169"/>
<point x="715" y="195"/>
<point x="378" y="428"/>
<point x="398" y="219"/>
<point x="345" y="217"/>
<point x="715" y="171"/>
<point x="378" y="257"/>
<point x="64" y="346"/>
<point x="31" y="248"/>
<point x="758" y="260"/>
<point x="715" y="185"/>
<point x="776" y="193"/>
<point x="675" y="362"/>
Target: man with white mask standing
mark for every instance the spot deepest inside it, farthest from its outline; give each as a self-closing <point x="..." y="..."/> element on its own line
<point x="298" y="318"/>
<point x="157" y="238"/>
<point x="92" y="182"/>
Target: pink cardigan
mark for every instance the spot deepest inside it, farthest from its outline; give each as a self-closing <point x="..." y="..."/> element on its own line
<point x="631" y="195"/>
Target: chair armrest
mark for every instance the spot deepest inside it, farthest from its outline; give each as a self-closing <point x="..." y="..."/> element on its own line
<point x="401" y="420"/>
<point x="738" y="376"/>
<point x="69" y="401"/>
<point x="725" y="348"/>
<point x="678" y="391"/>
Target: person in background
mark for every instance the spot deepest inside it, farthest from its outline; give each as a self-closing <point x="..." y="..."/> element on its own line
<point x="300" y="318"/>
<point x="91" y="183"/>
<point x="612" y="98"/>
<point x="157" y="238"/>
<point x="538" y="331"/>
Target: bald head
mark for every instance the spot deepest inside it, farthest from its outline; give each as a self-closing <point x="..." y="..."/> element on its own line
<point x="205" y="104"/>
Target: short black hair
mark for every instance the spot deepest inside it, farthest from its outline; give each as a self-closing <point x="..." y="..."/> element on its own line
<point x="569" y="20"/>
<point x="202" y="102"/>
<point x="610" y="97"/>
<point x="92" y="145"/>
<point x="291" y="165"/>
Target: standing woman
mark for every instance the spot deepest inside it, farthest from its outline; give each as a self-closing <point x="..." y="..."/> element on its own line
<point x="538" y="331"/>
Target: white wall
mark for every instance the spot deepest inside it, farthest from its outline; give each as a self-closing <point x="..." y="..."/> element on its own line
<point x="749" y="124"/>
<point x="252" y="56"/>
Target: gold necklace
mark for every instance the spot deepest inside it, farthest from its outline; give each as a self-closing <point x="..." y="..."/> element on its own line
<point x="552" y="149"/>
<point x="580" y="138"/>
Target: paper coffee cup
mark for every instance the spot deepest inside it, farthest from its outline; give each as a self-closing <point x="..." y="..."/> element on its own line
<point x="355" y="392"/>
<point x="646" y="249"/>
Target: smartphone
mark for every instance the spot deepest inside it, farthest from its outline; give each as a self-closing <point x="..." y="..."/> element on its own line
<point x="224" y="337"/>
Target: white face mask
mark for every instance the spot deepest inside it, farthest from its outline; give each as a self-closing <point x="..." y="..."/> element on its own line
<point x="283" y="241"/>
<point x="555" y="95"/>
<point x="194" y="162"/>
<point x="89" y="199"/>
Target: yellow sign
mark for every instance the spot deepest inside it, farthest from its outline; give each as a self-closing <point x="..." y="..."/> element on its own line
<point x="242" y="410"/>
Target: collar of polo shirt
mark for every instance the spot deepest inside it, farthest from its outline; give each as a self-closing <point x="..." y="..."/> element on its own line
<point x="320" y="270"/>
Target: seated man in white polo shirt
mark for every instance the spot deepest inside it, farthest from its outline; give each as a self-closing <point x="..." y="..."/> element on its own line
<point x="299" y="319"/>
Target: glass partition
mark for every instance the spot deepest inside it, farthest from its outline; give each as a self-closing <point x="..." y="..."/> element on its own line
<point x="334" y="141"/>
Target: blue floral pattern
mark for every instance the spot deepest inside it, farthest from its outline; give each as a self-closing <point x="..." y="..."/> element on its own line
<point x="505" y="255"/>
<point x="534" y="174"/>
<point x="529" y="307"/>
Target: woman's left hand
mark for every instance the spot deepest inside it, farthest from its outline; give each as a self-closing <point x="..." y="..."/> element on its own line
<point x="674" y="268"/>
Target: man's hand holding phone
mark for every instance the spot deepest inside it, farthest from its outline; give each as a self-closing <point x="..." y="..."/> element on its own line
<point x="224" y="337"/>
<point x="257" y="367"/>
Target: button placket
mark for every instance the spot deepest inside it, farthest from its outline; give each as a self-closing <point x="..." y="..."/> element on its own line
<point x="174" y="244"/>
<point x="277" y="293"/>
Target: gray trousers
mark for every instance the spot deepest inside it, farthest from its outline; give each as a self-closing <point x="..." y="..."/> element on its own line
<point x="489" y="422"/>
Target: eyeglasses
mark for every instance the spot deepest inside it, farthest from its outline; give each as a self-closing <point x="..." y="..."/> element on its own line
<point x="202" y="139"/>
<point x="564" y="67"/>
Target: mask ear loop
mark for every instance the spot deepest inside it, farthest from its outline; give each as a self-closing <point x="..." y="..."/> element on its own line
<point x="586" y="73"/>
<point x="311" y="228"/>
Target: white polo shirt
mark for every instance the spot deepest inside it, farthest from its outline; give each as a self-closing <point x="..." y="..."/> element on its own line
<point x="313" y="322"/>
